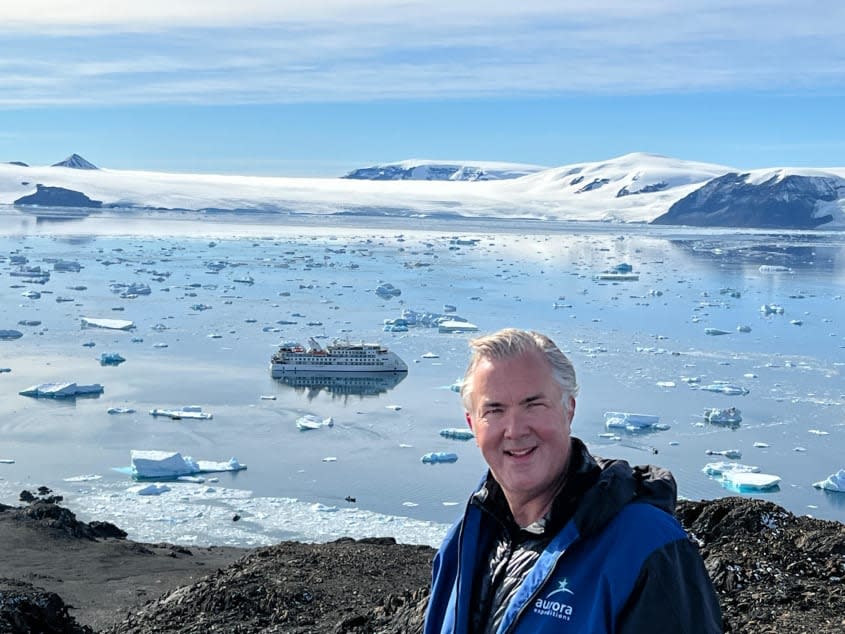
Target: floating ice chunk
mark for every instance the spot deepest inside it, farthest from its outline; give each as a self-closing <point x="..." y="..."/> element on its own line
<point x="395" y="408"/>
<point x="7" y="461"/>
<point x="188" y="411"/>
<point x="62" y="390"/>
<point x="665" y="384"/>
<point x="726" y="415"/>
<point x="439" y="456"/>
<point x="733" y="454"/>
<point x="718" y="468"/>
<point x="457" y="433"/>
<point x="799" y="449"/>
<point x="723" y="387"/>
<point x="330" y="459"/>
<point x="761" y="445"/>
<point x="311" y="421"/>
<point x="630" y="422"/>
<point x="8" y="335"/>
<point x="743" y="328"/>
<point x="322" y="508"/>
<point x="833" y="482"/>
<point x="742" y="481"/>
<point x="456" y="326"/>
<point x="212" y="466"/>
<point x="716" y="331"/>
<point x="771" y="309"/>
<point x="796" y="322"/>
<point x="268" y="397"/>
<point x="160" y="464"/>
<point x="818" y="432"/>
<point x="111" y="358"/>
<point x="120" y="410"/>
<point x="430" y="355"/>
<point x="774" y="268"/>
<point x="109" y="324"/>
<point x="5" y="370"/>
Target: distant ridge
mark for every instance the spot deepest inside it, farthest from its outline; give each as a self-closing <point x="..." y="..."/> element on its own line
<point x="427" y="170"/>
<point x="18" y="163"/>
<point x="75" y="161"/>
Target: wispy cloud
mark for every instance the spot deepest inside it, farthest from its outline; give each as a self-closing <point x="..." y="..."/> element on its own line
<point x="267" y="51"/>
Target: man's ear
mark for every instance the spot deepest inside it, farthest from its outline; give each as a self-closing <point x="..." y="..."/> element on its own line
<point x="469" y="420"/>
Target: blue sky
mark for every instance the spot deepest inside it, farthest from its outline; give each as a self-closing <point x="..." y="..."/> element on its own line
<point x="271" y="87"/>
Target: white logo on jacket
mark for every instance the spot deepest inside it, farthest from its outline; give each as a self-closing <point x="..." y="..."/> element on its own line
<point x="550" y="606"/>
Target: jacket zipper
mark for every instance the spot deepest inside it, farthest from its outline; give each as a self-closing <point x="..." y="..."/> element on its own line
<point x="534" y="595"/>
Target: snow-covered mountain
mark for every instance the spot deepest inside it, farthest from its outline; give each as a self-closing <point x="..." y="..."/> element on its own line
<point x="424" y="170"/>
<point x="631" y="188"/>
<point x="75" y="161"/>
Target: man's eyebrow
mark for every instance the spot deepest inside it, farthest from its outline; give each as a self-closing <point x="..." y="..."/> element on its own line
<point x="530" y="399"/>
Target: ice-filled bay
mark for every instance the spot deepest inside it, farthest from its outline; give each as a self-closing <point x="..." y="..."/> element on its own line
<point x="218" y="288"/>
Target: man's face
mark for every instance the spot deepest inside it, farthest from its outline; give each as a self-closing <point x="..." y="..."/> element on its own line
<point x="521" y="426"/>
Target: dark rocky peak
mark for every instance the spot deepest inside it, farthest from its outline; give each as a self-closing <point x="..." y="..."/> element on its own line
<point x="18" y="163"/>
<point x="75" y="161"/>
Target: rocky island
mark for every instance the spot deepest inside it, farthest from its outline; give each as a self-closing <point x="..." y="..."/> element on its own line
<point x="774" y="572"/>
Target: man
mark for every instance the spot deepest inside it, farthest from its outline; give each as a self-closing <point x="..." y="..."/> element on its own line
<point x="554" y="539"/>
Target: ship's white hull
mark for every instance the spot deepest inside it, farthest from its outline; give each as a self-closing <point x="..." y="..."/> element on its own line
<point x="279" y="369"/>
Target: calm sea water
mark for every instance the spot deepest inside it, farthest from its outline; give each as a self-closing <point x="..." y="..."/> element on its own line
<point x="633" y="344"/>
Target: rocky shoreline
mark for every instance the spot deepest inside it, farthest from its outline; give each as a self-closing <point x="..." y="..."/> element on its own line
<point x="774" y="572"/>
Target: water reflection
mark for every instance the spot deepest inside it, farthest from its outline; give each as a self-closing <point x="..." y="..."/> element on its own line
<point x="361" y="384"/>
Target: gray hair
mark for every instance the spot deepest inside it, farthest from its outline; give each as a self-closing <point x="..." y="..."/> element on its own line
<point x="513" y="342"/>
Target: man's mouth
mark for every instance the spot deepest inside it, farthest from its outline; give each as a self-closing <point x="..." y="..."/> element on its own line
<point x="519" y="453"/>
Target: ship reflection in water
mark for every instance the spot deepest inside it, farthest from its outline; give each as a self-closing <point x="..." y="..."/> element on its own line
<point x="361" y="384"/>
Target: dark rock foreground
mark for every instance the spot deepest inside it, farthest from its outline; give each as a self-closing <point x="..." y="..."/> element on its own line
<point x="774" y="572"/>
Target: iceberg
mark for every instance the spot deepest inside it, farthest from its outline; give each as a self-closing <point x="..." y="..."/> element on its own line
<point x="723" y="416"/>
<point x="439" y="456"/>
<point x="716" y="331"/>
<point x="111" y="358"/>
<point x="456" y="326"/>
<point x="632" y="422"/>
<point x="457" y="433"/>
<point x="8" y="335"/>
<point x="109" y="324"/>
<point x="120" y="410"/>
<point x="723" y="387"/>
<point x="150" y="489"/>
<point x="720" y="468"/>
<point x="154" y="464"/>
<point x="833" y="482"/>
<point x="733" y="454"/>
<point x="188" y="411"/>
<point x="310" y="421"/>
<point x="62" y="390"/>
<point x="745" y="481"/>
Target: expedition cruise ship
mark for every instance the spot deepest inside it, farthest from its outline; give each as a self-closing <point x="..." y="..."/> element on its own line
<point x="340" y="356"/>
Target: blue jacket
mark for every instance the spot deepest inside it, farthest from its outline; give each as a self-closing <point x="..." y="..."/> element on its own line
<point x="621" y="564"/>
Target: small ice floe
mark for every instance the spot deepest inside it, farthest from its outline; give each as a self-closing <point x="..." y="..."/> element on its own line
<point x="456" y="326"/>
<point x="818" y="432"/>
<point x="5" y="370"/>
<point x="691" y="380"/>
<point x="749" y="375"/>
<point x="159" y="345"/>
<point x="311" y="421"/>
<point x="330" y="459"/>
<point x="410" y="504"/>
<point x="719" y="468"/>
<point x="796" y="322"/>
<point x="771" y="309"/>
<point x="439" y="456"/>
<point x="833" y="482"/>
<point x="723" y="387"/>
<point x="395" y="408"/>
<point x="322" y="508"/>
<point x="430" y="355"/>
<point x="7" y="461"/>
<point x="743" y="328"/>
<point x="120" y="410"/>
<point x="62" y="390"/>
<point x="456" y="386"/>
<point x="188" y="411"/>
<point x="799" y="449"/>
<point x="723" y="415"/>
<point x="666" y="384"/>
<point x="83" y="478"/>
<point x="109" y="324"/>
<point x="633" y="422"/>
<point x="743" y="481"/>
<point x="9" y="335"/>
<point x="31" y="294"/>
<point x="457" y="433"/>
<point x="111" y="358"/>
<point x="733" y="454"/>
<point x="761" y="445"/>
<point x="716" y="331"/>
<point x="774" y="268"/>
<point x="387" y="290"/>
<point x="149" y="489"/>
<point x="268" y="397"/>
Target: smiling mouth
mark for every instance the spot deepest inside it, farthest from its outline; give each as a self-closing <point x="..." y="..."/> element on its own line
<point x="520" y="453"/>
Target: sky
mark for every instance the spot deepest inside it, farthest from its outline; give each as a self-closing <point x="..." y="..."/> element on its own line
<point x="318" y="88"/>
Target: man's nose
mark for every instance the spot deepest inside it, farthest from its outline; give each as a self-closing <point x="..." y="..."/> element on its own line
<point x="514" y="424"/>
